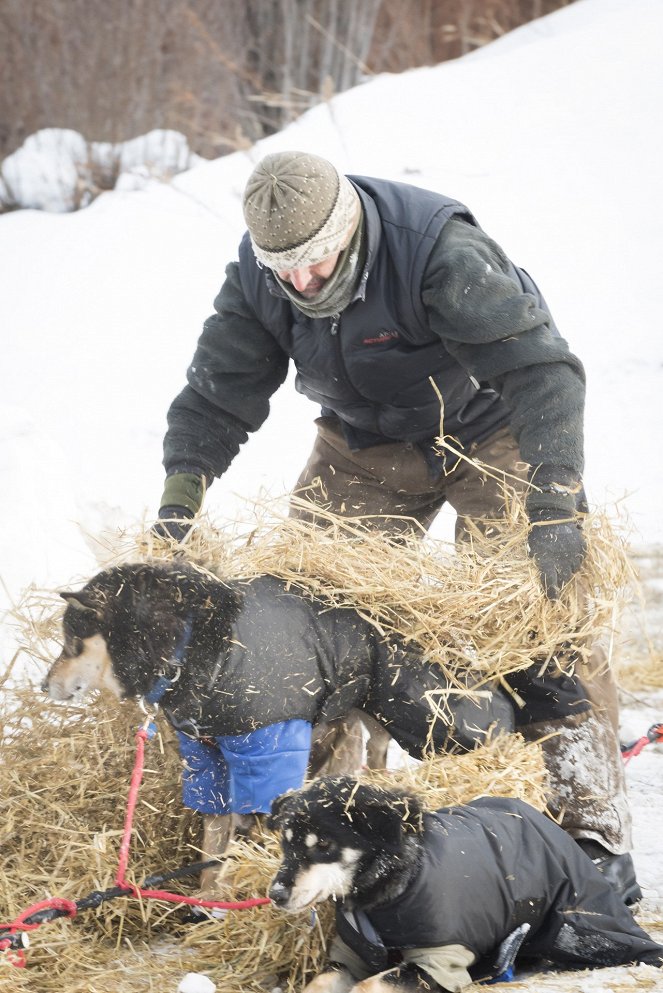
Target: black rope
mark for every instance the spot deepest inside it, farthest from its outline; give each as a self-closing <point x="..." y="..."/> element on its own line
<point x="97" y="897"/>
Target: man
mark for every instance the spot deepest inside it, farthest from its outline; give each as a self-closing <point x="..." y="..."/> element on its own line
<point x="392" y="302"/>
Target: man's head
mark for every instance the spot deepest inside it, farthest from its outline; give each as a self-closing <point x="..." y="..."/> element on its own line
<point x="301" y="214"/>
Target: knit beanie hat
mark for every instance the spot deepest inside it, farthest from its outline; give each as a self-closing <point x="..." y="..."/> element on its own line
<point x="298" y="210"/>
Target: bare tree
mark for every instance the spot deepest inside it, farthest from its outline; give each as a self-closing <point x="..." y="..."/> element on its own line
<point x="437" y="30"/>
<point x="223" y="72"/>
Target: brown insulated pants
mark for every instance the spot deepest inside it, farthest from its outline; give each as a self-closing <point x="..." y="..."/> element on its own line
<point x="588" y="791"/>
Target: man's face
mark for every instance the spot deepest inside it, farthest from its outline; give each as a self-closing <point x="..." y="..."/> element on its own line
<point x="309" y="280"/>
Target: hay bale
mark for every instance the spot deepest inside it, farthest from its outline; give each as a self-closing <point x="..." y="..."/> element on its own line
<point x="64" y="770"/>
<point x="64" y="774"/>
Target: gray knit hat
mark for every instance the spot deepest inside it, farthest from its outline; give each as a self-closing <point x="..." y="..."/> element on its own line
<point x="298" y="210"/>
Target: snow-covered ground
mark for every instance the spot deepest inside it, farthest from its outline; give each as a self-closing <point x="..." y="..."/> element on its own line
<point x="552" y="136"/>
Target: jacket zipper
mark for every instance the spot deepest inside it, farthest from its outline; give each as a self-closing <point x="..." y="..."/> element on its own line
<point x="333" y="330"/>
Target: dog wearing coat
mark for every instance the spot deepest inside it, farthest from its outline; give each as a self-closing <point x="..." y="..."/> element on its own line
<point x="229" y="661"/>
<point x="436" y="900"/>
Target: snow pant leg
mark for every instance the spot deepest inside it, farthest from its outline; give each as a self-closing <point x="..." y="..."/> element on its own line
<point x="390" y="483"/>
<point x="394" y="480"/>
<point x="584" y="763"/>
<point x="479" y="497"/>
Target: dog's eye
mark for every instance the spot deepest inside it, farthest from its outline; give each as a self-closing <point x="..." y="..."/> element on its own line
<point x="323" y="844"/>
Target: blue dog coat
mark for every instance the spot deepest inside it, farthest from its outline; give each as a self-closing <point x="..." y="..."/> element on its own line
<point x="242" y="773"/>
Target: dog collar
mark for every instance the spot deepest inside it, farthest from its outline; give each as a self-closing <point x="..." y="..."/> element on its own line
<point x="163" y="684"/>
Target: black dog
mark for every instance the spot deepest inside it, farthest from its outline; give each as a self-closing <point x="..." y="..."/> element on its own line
<point x="437" y="900"/>
<point x="227" y="658"/>
<point x="230" y="658"/>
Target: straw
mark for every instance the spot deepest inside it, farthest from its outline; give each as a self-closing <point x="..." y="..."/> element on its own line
<point x="64" y="769"/>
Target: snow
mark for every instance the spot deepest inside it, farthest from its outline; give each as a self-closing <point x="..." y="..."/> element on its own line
<point x="195" y="982"/>
<point x="57" y="169"/>
<point x="551" y="136"/>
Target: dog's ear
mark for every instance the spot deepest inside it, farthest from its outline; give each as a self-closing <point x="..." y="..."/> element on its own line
<point x="281" y="807"/>
<point x="387" y="816"/>
<point x="82" y="600"/>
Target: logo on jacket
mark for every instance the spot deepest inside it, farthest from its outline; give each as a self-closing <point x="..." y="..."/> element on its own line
<point x="380" y="337"/>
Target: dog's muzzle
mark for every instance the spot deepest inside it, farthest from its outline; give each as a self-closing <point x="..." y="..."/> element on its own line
<point x="278" y="893"/>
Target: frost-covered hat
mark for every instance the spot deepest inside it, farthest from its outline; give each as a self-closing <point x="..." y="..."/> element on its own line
<point x="299" y="209"/>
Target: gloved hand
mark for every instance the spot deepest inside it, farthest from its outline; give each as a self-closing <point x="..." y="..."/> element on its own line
<point x="555" y="542"/>
<point x="174" y="523"/>
<point x="181" y="500"/>
<point x="558" y="550"/>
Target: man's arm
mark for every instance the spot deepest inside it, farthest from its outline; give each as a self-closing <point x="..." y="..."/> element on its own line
<point x="504" y="337"/>
<point x="236" y="368"/>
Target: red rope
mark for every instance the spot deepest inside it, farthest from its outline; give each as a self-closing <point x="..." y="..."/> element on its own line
<point x="17" y="956"/>
<point x="134" y="786"/>
<point x="635" y="749"/>
<point x="654" y="736"/>
<point x="120" y="878"/>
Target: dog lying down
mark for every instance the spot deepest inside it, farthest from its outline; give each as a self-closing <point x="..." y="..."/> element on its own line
<point x="231" y="659"/>
<point x="446" y="897"/>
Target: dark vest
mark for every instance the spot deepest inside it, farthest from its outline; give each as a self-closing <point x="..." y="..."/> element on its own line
<point x="372" y="364"/>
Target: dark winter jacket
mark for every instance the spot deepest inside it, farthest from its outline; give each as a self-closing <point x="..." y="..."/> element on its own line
<point x="489" y="867"/>
<point x="289" y="656"/>
<point x="436" y="299"/>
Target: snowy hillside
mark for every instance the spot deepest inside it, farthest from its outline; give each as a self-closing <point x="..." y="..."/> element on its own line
<point x="551" y="136"/>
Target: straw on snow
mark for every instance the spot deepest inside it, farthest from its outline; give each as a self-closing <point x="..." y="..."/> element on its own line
<point x="64" y="771"/>
<point x="64" y="774"/>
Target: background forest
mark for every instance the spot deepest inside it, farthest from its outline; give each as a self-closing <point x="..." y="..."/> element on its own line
<point x="224" y="73"/>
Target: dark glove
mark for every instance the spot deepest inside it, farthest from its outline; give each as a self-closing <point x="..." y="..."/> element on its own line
<point x="556" y="542"/>
<point x="181" y="500"/>
<point x="174" y="523"/>
<point x="558" y="550"/>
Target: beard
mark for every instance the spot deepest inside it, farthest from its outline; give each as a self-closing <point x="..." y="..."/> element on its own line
<point x="313" y="288"/>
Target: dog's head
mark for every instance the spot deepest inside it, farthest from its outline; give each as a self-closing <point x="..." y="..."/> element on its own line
<point x="84" y="663"/>
<point x="335" y="834"/>
<point x="121" y="630"/>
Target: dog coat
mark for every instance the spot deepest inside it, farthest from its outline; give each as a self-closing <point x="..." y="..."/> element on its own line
<point x="291" y="657"/>
<point x="241" y="774"/>
<point x="489" y="867"/>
